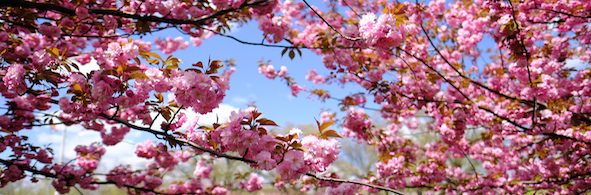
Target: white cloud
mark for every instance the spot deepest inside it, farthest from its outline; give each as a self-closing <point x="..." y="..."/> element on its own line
<point x="575" y="63"/>
<point x="220" y="115"/>
<point x="87" y="68"/>
<point x="239" y="100"/>
<point x="122" y="153"/>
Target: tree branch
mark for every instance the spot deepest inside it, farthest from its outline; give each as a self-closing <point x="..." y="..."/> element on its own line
<point x="58" y="8"/>
<point x="333" y="28"/>
<point x="176" y="139"/>
<point x="355" y="182"/>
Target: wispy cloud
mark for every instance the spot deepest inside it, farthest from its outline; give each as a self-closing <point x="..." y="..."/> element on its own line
<point x="122" y="153"/>
<point x="576" y="64"/>
<point x="239" y="100"/>
<point x="220" y="115"/>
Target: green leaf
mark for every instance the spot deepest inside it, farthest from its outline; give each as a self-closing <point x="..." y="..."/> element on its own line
<point x="283" y="52"/>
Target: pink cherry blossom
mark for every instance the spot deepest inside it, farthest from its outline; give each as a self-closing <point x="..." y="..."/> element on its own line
<point x="254" y="183"/>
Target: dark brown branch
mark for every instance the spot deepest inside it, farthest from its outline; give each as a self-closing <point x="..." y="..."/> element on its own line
<point x="249" y="43"/>
<point x="565" y="137"/>
<point x="58" y="8"/>
<point x="355" y="182"/>
<point x="527" y="57"/>
<point x="136" y="188"/>
<point x="564" y="13"/>
<point x="176" y="139"/>
<point x="326" y="22"/>
<point x="470" y="80"/>
<point x="51" y="175"/>
<point x="26" y="168"/>
<point x="270" y="45"/>
<point x="504" y="118"/>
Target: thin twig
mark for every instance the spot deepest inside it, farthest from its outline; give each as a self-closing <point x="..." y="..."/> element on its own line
<point x="333" y="28"/>
<point x="176" y="139"/>
<point x="355" y="182"/>
<point x="527" y="57"/>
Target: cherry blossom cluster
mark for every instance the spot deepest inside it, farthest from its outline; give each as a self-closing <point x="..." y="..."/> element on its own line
<point x="88" y="157"/>
<point x="478" y="96"/>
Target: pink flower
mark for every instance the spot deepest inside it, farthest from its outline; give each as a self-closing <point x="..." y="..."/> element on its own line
<point x="268" y="71"/>
<point x="505" y="19"/>
<point x="146" y="150"/>
<point x="314" y="77"/>
<point x="343" y="189"/>
<point x="193" y="123"/>
<point x="254" y="183"/>
<point x="182" y="118"/>
<point x="122" y="176"/>
<point x="116" y="135"/>
<point x="277" y="26"/>
<point x="89" y="156"/>
<point x="295" y="158"/>
<point x="282" y="72"/>
<point x="13" y="173"/>
<point x="324" y="151"/>
<point x="50" y="30"/>
<point x="202" y="170"/>
<point x="327" y="116"/>
<point x="219" y="191"/>
<point x="82" y="12"/>
<point x="264" y="161"/>
<point x="14" y="78"/>
<point x="42" y="156"/>
<point x="183" y="155"/>
<point x="295" y="89"/>
<point x="102" y="91"/>
<point x="151" y="182"/>
<point x="221" y="4"/>
<point x="197" y="90"/>
<point x="366" y="25"/>
<point x="170" y="45"/>
<point x="375" y="76"/>
<point x="165" y="159"/>
<point x="383" y="33"/>
<point x="287" y="171"/>
<point x="196" y="41"/>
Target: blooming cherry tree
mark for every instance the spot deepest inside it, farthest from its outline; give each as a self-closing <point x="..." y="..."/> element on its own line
<point x="500" y="70"/>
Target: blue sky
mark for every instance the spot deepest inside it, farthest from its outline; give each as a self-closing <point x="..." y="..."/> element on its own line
<point x="273" y="97"/>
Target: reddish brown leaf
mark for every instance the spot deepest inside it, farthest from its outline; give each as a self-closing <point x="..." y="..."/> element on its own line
<point x="265" y="121"/>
